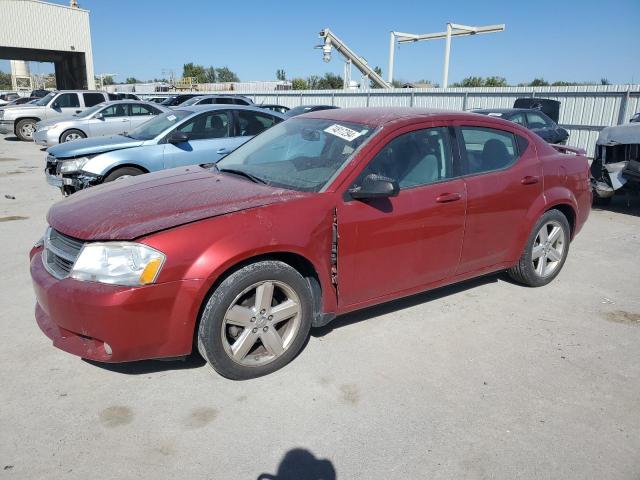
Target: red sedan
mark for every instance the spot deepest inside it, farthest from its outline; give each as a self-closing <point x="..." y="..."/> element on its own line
<point x="320" y="215"/>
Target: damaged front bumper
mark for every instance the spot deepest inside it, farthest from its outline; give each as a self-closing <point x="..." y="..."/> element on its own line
<point x="68" y="182"/>
<point x="615" y="167"/>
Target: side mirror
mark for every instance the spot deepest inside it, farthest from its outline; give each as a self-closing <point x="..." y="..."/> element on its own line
<point x="55" y="106"/>
<point x="375" y="186"/>
<point x="178" y="137"/>
<point x="99" y="116"/>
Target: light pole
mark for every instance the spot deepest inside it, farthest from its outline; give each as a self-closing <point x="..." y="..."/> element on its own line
<point x="453" y="30"/>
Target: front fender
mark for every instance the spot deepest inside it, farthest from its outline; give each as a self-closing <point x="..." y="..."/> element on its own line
<point x="148" y="158"/>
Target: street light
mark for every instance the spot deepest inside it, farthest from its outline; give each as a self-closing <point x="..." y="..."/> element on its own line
<point x="453" y="30"/>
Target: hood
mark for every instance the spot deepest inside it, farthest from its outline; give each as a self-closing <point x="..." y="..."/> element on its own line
<point x="628" y="133"/>
<point x="137" y="206"/>
<point x="53" y="121"/>
<point x="92" y="146"/>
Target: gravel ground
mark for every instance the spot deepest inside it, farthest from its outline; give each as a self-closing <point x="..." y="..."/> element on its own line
<point x="485" y="379"/>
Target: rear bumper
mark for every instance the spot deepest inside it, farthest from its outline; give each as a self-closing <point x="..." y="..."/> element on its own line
<point x="137" y="323"/>
<point x="6" y="126"/>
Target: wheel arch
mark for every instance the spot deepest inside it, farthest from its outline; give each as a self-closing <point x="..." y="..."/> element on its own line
<point x="295" y="260"/>
<point x="125" y="165"/>
<point x="568" y="211"/>
<point x="19" y="119"/>
<point x="69" y="129"/>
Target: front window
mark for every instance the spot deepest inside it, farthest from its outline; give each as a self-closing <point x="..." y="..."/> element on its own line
<point x="45" y="100"/>
<point x="301" y="154"/>
<point x="159" y="124"/>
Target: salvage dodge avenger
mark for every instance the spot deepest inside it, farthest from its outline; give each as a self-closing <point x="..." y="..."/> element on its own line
<point x="323" y="214"/>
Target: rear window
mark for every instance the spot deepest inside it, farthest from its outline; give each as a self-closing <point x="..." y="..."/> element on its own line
<point x="488" y="149"/>
<point x="91" y="99"/>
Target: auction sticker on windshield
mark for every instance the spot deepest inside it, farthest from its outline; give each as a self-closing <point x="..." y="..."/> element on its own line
<point x="171" y="118"/>
<point x="342" y="132"/>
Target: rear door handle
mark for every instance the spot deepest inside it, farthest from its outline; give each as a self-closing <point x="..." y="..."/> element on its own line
<point x="448" y="197"/>
<point x="529" y="180"/>
<point x="222" y="151"/>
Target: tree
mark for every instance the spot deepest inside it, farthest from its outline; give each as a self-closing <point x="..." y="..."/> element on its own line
<point x="470" y="82"/>
<point x="539" y="82"/>
<point x="495" y="82"/>
<point x="299" y="84"/>
<point x="5" y="81"/>
<point x="225" y="75"/>
<point x="281" y="75"/>
<point x="194" y="71"/>
<point x="313" y="81"/>
<point x="605" y="81"/>
<point x="210" y="75"/>
<point x="132" y="80"/>
<point x="330" y="81"/>
<point x="107" y="80"/>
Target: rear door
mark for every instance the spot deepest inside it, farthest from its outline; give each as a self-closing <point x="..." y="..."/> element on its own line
<point x="140" y="113"/>
<point x="210" y="138"/>
<point x="393" y="245"/>
<point x="503" y="178"/>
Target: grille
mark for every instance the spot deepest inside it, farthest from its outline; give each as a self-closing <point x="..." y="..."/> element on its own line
<point x="53" y="167"/>
<point x="60" y="253"/>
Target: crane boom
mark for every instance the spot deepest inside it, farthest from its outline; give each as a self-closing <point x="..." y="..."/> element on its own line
<point x="331" y="41"/>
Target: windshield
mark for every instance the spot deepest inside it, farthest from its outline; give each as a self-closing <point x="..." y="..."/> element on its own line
<point x="169" y="101"/>
<point x="90" y="111"/>
<point x="46" y="99"/>
<point x="157" y="125"/>
<point x="299" y="154"/>
<point x="191" y="101"/>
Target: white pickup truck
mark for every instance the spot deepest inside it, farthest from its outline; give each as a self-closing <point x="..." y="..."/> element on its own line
<point x="22" y="119"/>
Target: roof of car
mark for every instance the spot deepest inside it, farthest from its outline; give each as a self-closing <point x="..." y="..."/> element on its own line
<point x="379" y="115"/>
<point x="504" y="110"/>
<point x="220" y="106"/>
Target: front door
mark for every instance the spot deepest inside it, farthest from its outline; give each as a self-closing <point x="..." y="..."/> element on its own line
<point x="210" y="138"/>
<point x="503" y="179"/>
<point x="114" y="120"/>
<point x="393" y="245"/>
<point x="64" y="105"/>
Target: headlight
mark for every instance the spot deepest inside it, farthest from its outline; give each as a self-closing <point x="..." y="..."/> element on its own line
<point x="71" y="166"/>
<point x="118" y="263"/>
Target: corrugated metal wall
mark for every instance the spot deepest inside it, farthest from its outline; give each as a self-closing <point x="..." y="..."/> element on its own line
<point x="584" y="110"/>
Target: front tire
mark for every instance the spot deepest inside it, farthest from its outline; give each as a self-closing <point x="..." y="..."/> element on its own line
<point x="546" y="251"/>
<point x="256" y="321"/>
<point x="120" y="173"/>
<point x="71" y="135"/>
<point x="25" y="129"/>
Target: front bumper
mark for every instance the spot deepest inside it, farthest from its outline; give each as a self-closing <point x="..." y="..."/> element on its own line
<point x="137" y="323"/>
<point x="6" y="126"/>
<point x="46" y="137"/>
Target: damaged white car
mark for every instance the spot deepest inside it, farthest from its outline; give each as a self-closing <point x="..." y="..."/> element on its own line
<point x="616" y="164"/>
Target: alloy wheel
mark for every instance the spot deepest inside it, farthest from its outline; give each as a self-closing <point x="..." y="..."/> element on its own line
<point x="548" y="249"/>
<point x="261" y="323"/>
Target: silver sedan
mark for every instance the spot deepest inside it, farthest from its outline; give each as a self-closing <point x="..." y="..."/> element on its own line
<point x="108" y="118"/>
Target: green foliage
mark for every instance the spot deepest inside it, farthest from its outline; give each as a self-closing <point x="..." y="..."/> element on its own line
<point x="539" y="82"/>
<point x="108" y="80"/>
<point x="226" y="75"/>
<point x="5" y="81"/>
<point x="604" y="81"/>
<point x="281" y="75"/>
<point x="378" y="70"/>
<point x="495" y="82"/>
<point x="200" y="73"/>
<point x="299" y="84"/>
<point x="132" y="80"/>
<point x="330" y="81"/>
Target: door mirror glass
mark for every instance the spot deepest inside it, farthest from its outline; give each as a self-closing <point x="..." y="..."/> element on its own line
<point x="99" y="116"/>
<point x="375" y="186"/>
<point x="178" y="137"/>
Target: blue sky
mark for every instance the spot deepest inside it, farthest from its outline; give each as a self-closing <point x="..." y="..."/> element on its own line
<point x="558" y="40"/>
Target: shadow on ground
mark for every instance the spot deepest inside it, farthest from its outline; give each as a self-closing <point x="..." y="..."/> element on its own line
<point x="301" y="464"/>
<point x="11" y="139"/>
<point x="626" y="204"/>
<point x="143" y="367"/>
<point x="407" y="302"/>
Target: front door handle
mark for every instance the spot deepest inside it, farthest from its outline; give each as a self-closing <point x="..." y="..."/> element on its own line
<point x="222" y="151"/>
<point x="124" y="120"/>
<point x="448" y="197"/>
<point x="529" y="180"/>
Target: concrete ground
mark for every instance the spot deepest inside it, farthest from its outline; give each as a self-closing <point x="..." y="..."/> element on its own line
<point x="482" y="380"/>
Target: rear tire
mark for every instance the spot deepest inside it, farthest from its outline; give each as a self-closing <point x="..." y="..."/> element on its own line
<point x="71" y="135"/>
<point x="545" y="252"/>
<point x="123" y="172"/>
<point x="25" y="129"/>
<point x="256" y="321"/>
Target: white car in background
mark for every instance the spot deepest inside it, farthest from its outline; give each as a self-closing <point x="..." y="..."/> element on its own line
<point x="108" y="118"/>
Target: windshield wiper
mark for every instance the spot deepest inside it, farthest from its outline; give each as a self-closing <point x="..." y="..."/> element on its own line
<point x="242" y="173"/>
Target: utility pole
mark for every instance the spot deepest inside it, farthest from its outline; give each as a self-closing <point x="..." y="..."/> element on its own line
<point x="453" y="30"/>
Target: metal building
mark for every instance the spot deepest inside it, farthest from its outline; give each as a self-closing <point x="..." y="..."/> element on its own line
<point x="38" y="31"/>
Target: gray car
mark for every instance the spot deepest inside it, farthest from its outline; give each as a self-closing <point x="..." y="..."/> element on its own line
<point x="108" y="118"/>
<point x="217" y="100"/>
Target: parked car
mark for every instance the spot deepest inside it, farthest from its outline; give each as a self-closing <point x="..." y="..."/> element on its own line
<point x="22" y="120"/>
<point x="21" y="101"/>
<point x="155" y="99"/>
<point x="635" y="118"/>
<point x="275" y="108"/>
<point x="39" y="93"/>
<point x="616" y="163"/>
<point x="306" y="109"/>
<point x="175" y="100"/>
<point x="320" y="215"/>
<point x="217" y="100"/>
<point x="123" y="96"/>
<point x="533" y="119"/>
<point x="9" y="97"/>
<point x="192" y="135"/>
<point x="108" y="118"/>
